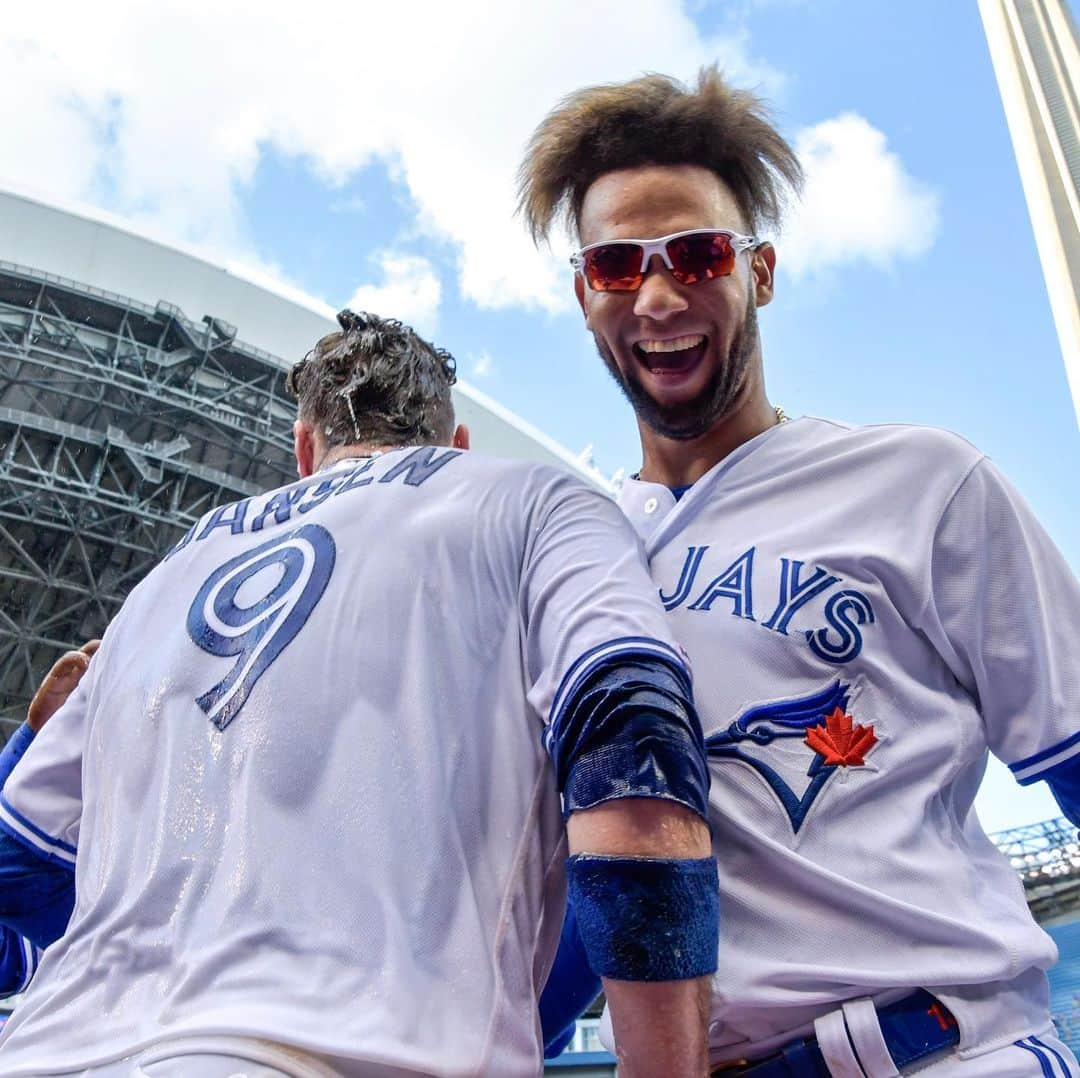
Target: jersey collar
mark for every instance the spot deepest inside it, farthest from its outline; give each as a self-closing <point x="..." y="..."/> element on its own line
<point x="658" y="515"/>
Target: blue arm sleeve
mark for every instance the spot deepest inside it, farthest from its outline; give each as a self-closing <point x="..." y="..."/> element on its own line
<point x="1064" y="783"/>
<point x="13" y="751"/>
<point x="570" y="988"/>
<point x="631" y="730"/>
<point x="18" y="957"/>
<point x="18" y="960"/>
<point x="36" y="896"/>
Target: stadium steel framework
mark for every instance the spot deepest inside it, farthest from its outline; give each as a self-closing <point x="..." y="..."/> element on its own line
<point x="120" y="425"/>
<point x="1046" y="856"/>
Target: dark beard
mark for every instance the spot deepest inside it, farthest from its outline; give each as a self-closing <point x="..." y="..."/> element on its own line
<point x="692" y="419"/>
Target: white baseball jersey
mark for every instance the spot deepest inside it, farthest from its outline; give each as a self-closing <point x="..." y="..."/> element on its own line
<point x="304" y="774"/>
<point x="868" y="610"/>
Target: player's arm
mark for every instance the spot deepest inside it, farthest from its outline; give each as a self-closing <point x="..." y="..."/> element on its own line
<point x="1005" y="614"/>
<point x="649" y="880"/>
<point x="642" y="881"/>
<point x="629" y="761"/>
<point x="37" y="895"/>
<point x="37" y="891"/>
<point x="46" y="889"/>
<point x="18" y="957"/>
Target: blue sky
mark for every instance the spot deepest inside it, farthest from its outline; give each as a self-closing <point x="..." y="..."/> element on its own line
<point x="365" y="154"/>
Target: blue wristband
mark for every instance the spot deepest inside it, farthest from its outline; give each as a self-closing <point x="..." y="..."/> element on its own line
<point x="13" y="751"/>
<point x="647" y="919"/>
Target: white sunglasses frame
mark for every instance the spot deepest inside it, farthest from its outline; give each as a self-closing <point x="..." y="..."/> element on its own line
<point x="658" y="246"/>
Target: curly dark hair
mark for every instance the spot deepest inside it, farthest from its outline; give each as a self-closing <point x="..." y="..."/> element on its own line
<point x="655" y="120"/>
<point x="377" y="382"/>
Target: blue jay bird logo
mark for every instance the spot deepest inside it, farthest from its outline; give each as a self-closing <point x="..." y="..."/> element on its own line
<point x="820" y="721"/>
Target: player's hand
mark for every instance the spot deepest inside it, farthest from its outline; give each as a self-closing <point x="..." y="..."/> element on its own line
<point x="59" y="684"/>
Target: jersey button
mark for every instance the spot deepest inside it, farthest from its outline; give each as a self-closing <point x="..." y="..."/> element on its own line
<point x="651" y="505"/>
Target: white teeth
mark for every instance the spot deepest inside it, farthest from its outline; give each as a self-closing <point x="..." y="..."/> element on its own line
<point x="677" y="344"/>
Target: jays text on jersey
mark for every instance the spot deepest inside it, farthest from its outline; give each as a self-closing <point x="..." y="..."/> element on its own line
<point x="868" y="611"/>
<point x="305" y="775"/>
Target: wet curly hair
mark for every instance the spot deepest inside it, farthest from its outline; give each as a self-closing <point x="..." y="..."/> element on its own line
<point x="656" y="120"/>
<point x="376" y="383"/>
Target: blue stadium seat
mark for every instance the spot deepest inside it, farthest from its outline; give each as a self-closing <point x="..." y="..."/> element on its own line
<point x="1065" y="983"/>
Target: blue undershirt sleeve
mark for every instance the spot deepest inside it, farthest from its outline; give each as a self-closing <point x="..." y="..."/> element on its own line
<point x="570" y="988"/>
<point x="18" y="960"/>
<point x="37" y="896"/>
<point x="13" y="751"/>
<point x="1064" y="783"/>
<point x="40" y="895"/>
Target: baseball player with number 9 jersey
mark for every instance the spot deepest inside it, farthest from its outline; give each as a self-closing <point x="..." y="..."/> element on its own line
<point x="305" y="784"/>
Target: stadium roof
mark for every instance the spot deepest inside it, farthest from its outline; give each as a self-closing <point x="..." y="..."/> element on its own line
<point x="93" y="248"/>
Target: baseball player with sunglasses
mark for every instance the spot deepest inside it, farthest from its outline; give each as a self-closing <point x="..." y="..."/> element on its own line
<point x="311" y="781"/>
<point x="869" y="612"/>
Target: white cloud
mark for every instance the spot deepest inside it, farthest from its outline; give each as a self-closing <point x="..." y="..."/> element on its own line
<point x="351" y="204"/>
<point x="480" y="366"/>
<point x="54" y="136"/>
<point x="859" y="204"/>
<point x="160" y="112"/>
<point x="410" y="291"/>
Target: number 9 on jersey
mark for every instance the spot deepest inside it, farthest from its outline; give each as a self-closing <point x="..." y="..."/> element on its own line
<point x="285" y="579"/>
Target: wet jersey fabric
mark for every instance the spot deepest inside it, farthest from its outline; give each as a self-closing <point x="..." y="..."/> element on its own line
<point x="869" y="612"/>
<point x="303" y="783"/>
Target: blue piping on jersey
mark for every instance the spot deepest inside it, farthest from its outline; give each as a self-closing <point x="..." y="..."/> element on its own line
<point x="613" y="651"/>
<point x="1045" y="754"/>
<point x="48" y="848"/>
<point x="1055" y="1053"/>
<point x="31" y="956"/>
<point x="1044" y="1062"/>
<point x="1064" y="782"/>
<point x="1063" y="778"/>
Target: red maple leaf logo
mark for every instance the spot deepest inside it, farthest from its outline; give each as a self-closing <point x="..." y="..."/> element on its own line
<point x="842" y="741"/>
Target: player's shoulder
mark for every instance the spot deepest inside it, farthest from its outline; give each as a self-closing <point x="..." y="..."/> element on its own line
<point x="531" y="478"/>
<point x="909" y="445"/>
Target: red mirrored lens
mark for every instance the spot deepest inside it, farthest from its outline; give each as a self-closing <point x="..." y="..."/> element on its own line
<point x="613" y="267"/>
<point x="701" y="257"/>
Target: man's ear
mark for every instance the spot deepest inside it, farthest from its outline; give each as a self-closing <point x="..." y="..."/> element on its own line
<point x="763" y="266"/>
<point x="303" y="448"/>
<point x="461" y="437"/>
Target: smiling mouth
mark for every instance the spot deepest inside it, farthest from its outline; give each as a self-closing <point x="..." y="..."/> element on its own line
<point x="674" y="356"/>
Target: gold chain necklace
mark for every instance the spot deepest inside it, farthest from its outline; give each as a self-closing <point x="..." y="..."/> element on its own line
<point x="781" y="415"/>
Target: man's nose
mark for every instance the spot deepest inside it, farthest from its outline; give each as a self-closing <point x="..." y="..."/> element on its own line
<point x="660" y="295"/>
